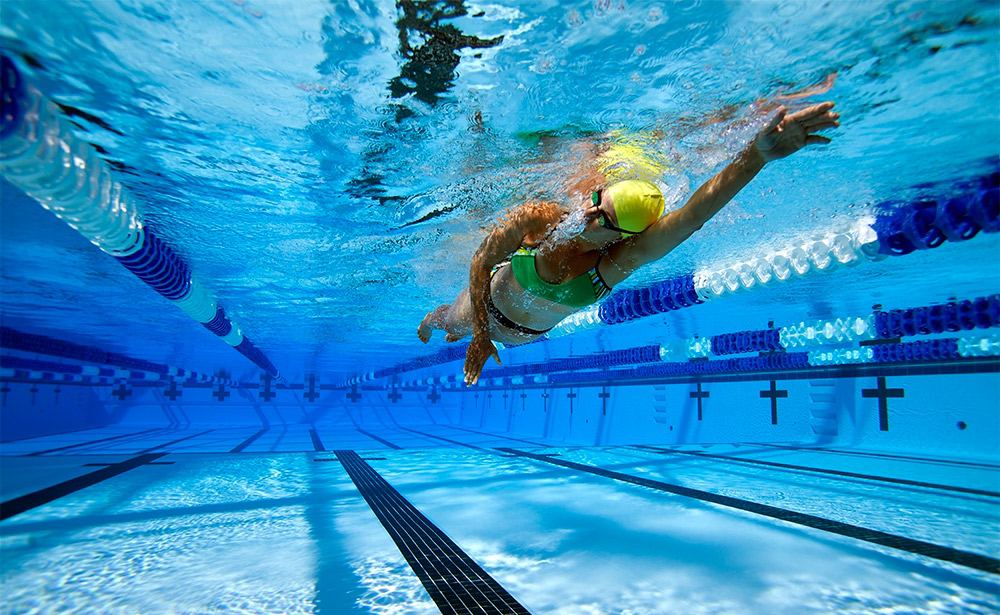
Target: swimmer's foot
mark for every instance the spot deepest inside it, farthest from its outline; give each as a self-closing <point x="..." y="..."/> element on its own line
<point x="433" y="320"/>
<point x="425" y="330"/>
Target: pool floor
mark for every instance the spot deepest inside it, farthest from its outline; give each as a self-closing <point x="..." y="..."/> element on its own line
<point x="434" y="518"/>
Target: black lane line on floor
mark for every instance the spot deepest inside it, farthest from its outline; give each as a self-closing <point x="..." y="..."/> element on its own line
<point x="79" y="444"/>
<point x="455" y="582"/>
<point x="38" y="498"/>
<point x="788" y="466"/>
<point x="242" y="445"/>
<point x="498" y="436"/>
<point x="442" y="438"/>
<point x="919" y="547"/>
<point x="317" y="443"/>
<point x="151" y="463"/>
<point x="172" y="442"/>
<point x="378" y="439"/>
<point x="816" y="449"/>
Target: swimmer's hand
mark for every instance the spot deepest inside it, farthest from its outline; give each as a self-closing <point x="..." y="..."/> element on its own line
<point x="480" y="349"/>
<point x="786" y="134"/>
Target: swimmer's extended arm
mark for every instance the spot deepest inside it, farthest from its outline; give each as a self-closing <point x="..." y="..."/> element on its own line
<point x="783" y="136"/>
<point x="528" y="220"/>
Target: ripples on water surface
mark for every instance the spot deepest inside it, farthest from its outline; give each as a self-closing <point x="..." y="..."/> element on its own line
<point x="328" y="167"/>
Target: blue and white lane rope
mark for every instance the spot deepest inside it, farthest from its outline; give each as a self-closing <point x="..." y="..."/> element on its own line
<point x="969" y="207"/>
<point x="584" y="369"/>
<point x="941" y="349"/>
<point x="95" y="361"/>
<point x="40" y="155"/>
<point x="825" y="342"/>
<point x="12" y="367"/>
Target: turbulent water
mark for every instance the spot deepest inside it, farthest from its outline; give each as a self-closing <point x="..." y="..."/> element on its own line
<point x="328" y="168"/>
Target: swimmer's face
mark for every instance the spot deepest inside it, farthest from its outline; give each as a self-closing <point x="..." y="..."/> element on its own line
<point x="602" y="223"/>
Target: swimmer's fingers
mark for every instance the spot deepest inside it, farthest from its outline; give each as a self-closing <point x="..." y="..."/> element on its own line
<point x="812" y="112"/>
<point x="478" y="353"/>
<point x="821" y="124"/>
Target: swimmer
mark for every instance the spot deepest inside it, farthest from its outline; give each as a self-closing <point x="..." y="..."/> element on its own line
<point x="541" y="263"/>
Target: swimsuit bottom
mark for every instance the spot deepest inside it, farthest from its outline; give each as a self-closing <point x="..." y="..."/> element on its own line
<point x="502" y="319"/>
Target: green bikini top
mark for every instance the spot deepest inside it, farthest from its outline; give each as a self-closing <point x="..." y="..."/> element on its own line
<point x="583" y="290"/>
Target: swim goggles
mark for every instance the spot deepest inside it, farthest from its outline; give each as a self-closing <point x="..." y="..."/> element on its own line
<point x="605" y="221"/>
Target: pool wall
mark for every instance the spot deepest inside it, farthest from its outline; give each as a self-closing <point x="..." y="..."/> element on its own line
<point x="949" y="414"/>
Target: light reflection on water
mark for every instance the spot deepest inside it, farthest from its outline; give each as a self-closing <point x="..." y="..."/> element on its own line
<point x="285" y="177"/>
<point x="559" y="541"/>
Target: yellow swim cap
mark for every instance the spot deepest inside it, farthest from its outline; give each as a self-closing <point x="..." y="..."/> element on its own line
<point x="638" y="204"/>
<point x="632" y="156"/>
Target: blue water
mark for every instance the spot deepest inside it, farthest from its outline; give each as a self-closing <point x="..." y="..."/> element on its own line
<point x="251" y="159"/>
<point x="330" y="194"/>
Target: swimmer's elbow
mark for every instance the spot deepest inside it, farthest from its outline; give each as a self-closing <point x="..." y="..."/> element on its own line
<point x="653" y="248"/>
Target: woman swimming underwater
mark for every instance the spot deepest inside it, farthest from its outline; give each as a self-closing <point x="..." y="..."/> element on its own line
<point x="541" y="263"/>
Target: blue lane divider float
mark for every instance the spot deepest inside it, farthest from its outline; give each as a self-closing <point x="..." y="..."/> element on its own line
<point x="40" y="154"/>
<point x="613" y="358"/>
<point x="779" y="345"/>
<point x="35" y="369"/>
<point x="887" y="354"/>
<point x="982" y="313"/>
<point x="927" y="223"/>
<point x="119" y="365"/>
<point x="967" y="208"/>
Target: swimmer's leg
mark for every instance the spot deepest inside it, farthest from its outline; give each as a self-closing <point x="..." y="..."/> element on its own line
<point x="455" y="319"/>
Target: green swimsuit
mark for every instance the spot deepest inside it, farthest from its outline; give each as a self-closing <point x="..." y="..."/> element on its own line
<point x="581" y="291"/>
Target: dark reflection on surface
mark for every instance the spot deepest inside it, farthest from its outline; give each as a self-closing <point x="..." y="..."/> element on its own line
<point x="430" y="52"/>
<point x="430" y="49"/>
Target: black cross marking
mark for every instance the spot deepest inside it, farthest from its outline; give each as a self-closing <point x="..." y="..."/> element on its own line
<point x="311" y="394"/>
<point x="774" y="393"/>
<point x="354" y="396"/>
<point x="699" y="395"/>
<point x="4" y="391"/>
<point x="121" y="392"/>
<point x="394" y="396"/>
<point x="173" y="392"/>
<point x="434" y="395"/>
<point x="883" y="394"/>
<point x="604" y="395"/>
<point x="222" y="393"/>
<point x="571" y="395"/>
<point x="268" y="393"/>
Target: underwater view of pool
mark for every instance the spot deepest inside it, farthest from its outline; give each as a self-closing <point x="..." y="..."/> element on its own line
<point x="738" y="261"/>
